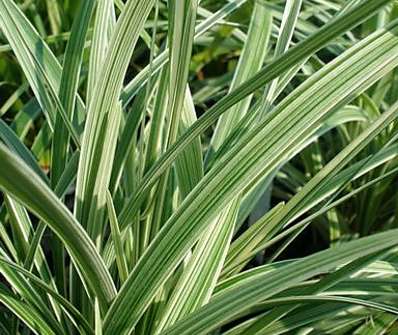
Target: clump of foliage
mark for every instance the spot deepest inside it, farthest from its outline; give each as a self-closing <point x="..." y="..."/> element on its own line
<point x="198" y="167"/>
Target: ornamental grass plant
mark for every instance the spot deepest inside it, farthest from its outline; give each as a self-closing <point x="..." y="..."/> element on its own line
<point x="189" y="167"/>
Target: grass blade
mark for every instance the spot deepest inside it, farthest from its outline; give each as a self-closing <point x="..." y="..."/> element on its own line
<point x="17" y="179"/>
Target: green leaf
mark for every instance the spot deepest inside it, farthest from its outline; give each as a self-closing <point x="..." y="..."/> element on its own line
<point x="15" y="144"/>
<point x="103" y="114"/>
<point x="120" y="257"/>
<point x="258" y="154"/>
<point x="17" y="179"/>
<point x="268" y="73"/>
<point x="29" y="315"/>
<point x="35" y="58"/>
<point x="68" y="87"/>
<point x="242" y="297"/>
<point x="139" y="81"/>
<point x="71" y="310"/>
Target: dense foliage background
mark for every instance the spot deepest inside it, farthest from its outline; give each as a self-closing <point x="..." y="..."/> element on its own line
<point x="167" y="167"/>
